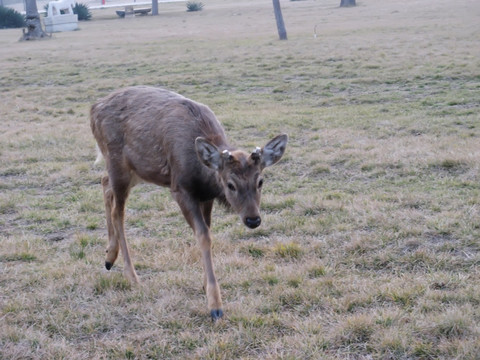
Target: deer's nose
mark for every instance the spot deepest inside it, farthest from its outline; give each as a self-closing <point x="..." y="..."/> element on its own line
<point x="253" y="222"/>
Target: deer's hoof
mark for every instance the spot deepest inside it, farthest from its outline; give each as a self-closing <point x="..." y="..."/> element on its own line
<point x="108" y="265"/>
<point x="216" y="314"/>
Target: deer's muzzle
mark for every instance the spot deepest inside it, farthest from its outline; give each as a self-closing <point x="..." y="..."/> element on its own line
<point x="253" y="222"/>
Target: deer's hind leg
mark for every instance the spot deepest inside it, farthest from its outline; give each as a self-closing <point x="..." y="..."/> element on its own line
<point x="113" y="246"/>
<point x="116" y="190"/>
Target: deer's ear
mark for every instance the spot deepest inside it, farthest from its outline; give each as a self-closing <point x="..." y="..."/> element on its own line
<point x="208" y="153"/>
<point x="273" y="151"/>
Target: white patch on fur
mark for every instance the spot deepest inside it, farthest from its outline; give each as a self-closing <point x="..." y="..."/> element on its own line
<point x="99" y="158"/>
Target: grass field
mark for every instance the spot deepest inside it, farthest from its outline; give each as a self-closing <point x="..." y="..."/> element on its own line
<point x="369" y="245"/>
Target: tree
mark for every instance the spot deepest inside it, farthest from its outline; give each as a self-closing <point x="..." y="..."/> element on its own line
<point x="282" y="33"/>
<point x="34" y="25"/>
<point x="347" y="3"/>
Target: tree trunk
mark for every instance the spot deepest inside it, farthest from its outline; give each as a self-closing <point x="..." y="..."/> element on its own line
<point x="347" y="3"/>
<point x="154" y="7"/>
<point x="282" y="33"/>
<point x="34" y="25"/>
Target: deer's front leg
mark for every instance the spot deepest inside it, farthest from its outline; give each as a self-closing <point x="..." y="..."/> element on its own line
<point x="212" y="288"/>
<point x="194" y="213"/>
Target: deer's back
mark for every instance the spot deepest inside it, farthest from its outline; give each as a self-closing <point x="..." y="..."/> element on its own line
<point x="152" y="131"/>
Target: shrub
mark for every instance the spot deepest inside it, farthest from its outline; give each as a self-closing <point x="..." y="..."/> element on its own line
<point x="82" y="11"/>
<point x="10" y="18"/>
<point x="194" y="6"/>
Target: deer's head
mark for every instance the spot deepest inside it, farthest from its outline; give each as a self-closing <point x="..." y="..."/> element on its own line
<point x="240" y="173"/>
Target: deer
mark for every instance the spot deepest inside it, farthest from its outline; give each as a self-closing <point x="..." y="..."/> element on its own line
<point x="153" y="135"/>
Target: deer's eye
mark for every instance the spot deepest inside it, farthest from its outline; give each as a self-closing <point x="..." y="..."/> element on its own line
<point x="260" y="183"/>
<point x="231" y="187"/>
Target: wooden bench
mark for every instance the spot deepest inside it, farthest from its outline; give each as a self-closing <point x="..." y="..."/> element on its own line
<point x="130" y="11"/>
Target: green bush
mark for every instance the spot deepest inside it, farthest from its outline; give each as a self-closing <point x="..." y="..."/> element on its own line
<point x="82" y="11"/>
<point x="194" y="6"/>
<point x="10" y="18"/>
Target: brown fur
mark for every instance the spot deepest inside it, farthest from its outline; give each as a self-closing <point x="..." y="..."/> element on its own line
<point x="154" y="135"/>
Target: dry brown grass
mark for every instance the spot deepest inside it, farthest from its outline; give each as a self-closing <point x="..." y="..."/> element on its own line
<point x="369" y="242"/>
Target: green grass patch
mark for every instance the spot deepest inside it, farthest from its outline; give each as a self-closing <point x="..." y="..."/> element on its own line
<point x="288" y="251"/>
<point x="114" y="282"/>
<point x="317" y="271"/>
<point x="254" y="251"/>
<point x="23" y="257"/>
